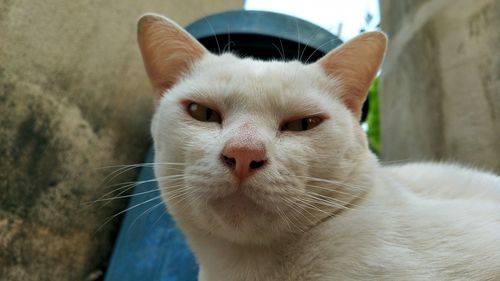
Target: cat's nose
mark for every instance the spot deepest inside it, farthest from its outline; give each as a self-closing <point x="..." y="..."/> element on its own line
<point x="244" y="160"/>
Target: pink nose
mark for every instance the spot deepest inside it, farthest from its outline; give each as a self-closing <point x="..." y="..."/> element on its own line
<point x="244" y="160"/>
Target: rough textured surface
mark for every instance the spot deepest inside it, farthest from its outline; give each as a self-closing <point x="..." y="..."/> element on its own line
<point x="440" y="87"/>
<point x="73" y="97"/>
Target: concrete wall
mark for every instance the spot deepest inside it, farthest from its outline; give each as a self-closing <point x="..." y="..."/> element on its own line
<point x="73" y="97"/>
<point x="440" y="87"/>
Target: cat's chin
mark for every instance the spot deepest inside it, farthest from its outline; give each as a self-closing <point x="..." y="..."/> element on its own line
<point x="242" y="219"/>
<point x="235" y="207"/>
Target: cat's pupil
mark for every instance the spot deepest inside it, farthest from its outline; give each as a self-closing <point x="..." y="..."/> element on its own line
<point x="208" y="114"/>
<point x="305" y="123"/>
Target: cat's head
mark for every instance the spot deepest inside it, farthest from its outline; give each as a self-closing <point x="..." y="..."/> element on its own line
<point x="253" y="151"/>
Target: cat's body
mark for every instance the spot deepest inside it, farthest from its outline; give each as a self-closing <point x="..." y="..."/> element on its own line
<point x="399" y="232"/>
<point x="266" y="170"/>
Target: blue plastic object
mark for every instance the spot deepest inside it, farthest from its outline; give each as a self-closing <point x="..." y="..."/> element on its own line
<point x="264" y="35"/>
<point x="149" y="245"/>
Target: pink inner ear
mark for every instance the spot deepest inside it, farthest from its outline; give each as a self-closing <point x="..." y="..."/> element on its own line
<point x="355" y="64"/>
<point x="168" y="51"/>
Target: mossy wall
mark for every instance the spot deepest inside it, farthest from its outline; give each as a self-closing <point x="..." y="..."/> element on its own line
<point x="73" y="98"/>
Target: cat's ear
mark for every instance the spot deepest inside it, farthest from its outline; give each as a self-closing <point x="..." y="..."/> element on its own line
<point x="354" y="64"/>
<point x="167" y="50"/>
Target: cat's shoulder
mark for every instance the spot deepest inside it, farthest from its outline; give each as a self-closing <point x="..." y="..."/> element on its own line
<point x="438" y="168"/>
<point x="449" y="180"/>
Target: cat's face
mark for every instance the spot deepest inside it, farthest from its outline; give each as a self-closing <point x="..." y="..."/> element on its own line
<point x="251" y="151"/>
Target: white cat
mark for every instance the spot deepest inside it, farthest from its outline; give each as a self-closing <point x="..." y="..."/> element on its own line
<point x="266" y="170"/>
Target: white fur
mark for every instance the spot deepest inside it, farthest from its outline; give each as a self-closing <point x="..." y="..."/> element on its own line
<point x="408" y="222"/>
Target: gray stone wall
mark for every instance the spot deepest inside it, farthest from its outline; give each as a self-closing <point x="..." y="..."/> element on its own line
<point x="73" y="98"/>
<point x="440" y="86"/>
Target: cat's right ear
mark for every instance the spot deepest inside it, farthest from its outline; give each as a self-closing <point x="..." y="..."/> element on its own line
<point x="354" y="64"/>
<point x="167" y="51"/>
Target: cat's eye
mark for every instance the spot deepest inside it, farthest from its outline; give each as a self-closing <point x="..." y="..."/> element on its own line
<point x="203" y="113"/>
<point x="302" y="124"/>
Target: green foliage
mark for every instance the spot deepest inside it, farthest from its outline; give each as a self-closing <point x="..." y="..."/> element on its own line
<point x="373" y="120"/>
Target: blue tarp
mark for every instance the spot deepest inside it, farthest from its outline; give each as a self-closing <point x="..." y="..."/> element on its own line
<point x="150" y="246"/>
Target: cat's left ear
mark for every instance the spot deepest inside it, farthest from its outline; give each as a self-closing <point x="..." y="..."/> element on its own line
<point x="167" y="50"/>
<point x="354" y="64"/>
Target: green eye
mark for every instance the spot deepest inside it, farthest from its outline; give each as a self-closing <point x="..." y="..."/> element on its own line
<point x="303" y="124"/>
<point x="203" y="113"/>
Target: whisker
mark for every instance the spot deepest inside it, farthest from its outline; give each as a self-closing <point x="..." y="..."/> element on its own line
<point x="319" y="47"/>
<point x="127" y="196"/>
<point x="177" y="193"/>
<point x="279" y="51"/>
<point x="298" y="37"/>
<point x="125" y="168"/>
<point x="126" y="210"/>
<point x="333" y="182"/>
<point x="328" y="189"/>
<point x="169" y="163"/>
<point x="282" y="49"/>
<point x="180" y="193"/>
<point x="308" y="41"/>
<point x="228" y="44"/>
<point x="183" y="196"/>
<point x="284" y="218"/>
<point x="159" y="218"/>
<point x="309" y="205"/>
<point x="128" y="186"/>
<point x="146" y="164"/>
<point x="150" y="209"/>
<point x="118" y="172"/>
<point x="215" y="35"/>
<point x="299" y="204"/>
<point x="297" y="219"/>
<point x="332" y="202"/>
